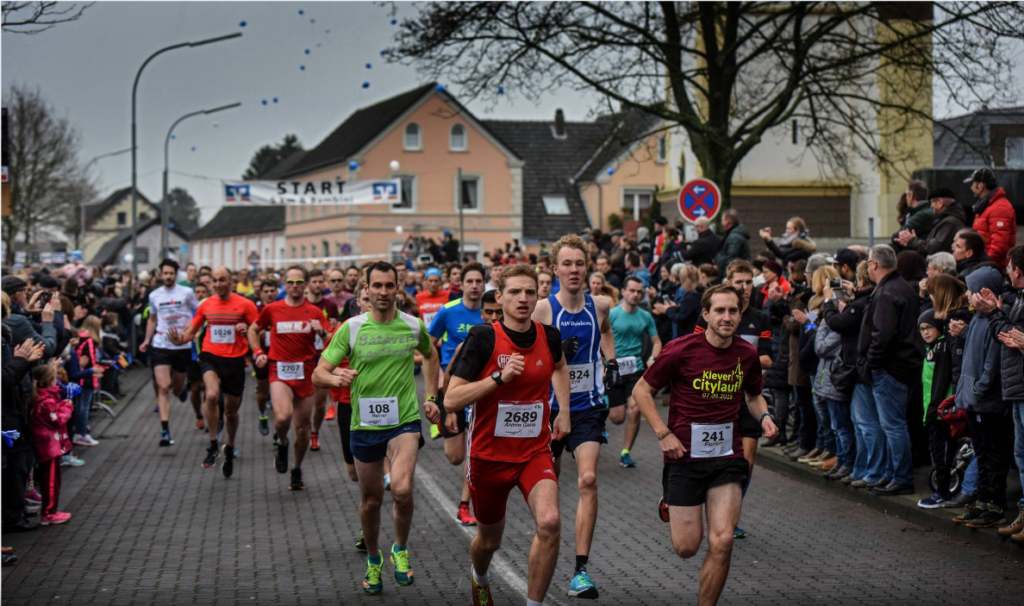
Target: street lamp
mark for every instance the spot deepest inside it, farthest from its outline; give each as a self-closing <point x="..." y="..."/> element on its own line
<point x="81" y="203"/>
<point x="165" y="205"/>
<point x="135" y="87"/>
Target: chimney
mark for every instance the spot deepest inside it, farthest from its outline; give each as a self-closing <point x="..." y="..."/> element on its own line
<point x="560" y="124"/>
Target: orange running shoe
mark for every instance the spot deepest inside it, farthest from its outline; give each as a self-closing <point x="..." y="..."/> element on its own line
<point x="314" y="441"/>
<point x="200" y="424"/>
<point x="332" y="412"/>
<point x="464" y="517"/>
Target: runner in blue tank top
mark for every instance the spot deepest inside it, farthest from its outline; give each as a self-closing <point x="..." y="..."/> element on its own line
<point x="587" y="336"/>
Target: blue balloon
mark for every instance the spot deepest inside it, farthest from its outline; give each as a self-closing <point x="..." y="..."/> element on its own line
<point x="440" y="88"/>
<point x="241" y="24"/>
<point x="302" y="12"/>
<point x="611" y="171"/>
<point x="193" y="149"/>
<point x="368" y="66"/>
<point x="353" y="165"/>
<point x="501" y="90"/>
<point x="366" y="85"/>
<point x="384" y="53"/>
<point x="275" y="99"/>
<point x="307" y="51"/>
<point x="394" y="22"/>
<point x="302" y="67"/>
<point x="174" y="136"/>
<point x="264" y="102"/>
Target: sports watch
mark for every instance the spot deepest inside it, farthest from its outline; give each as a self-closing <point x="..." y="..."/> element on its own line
<point x="496" y="375"/>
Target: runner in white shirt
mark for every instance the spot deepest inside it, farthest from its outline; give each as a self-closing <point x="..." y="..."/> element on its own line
<point x="172" y="305"/>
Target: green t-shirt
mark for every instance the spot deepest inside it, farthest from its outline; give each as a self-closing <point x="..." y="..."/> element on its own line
<point x="384" y="391"/>
<point x="628" y="329"/>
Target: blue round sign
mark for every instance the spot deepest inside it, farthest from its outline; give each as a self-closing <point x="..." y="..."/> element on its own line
<point x="346" y="248"/>
<point x="699" y="198"/>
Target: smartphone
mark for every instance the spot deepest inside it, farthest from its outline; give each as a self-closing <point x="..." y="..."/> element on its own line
<point x="835" y="284"/>
<point x="45" y="298"/>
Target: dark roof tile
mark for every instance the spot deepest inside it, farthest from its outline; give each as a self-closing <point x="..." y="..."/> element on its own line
<point x="240" y="219"/>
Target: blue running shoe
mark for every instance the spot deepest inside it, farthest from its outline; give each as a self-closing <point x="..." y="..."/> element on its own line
<point x="739" y="533"/>
<point x="933" y="502"/>
<point x="165" y="438"/>
<point x="626" y="460"/>
<point x="582" y="587"/>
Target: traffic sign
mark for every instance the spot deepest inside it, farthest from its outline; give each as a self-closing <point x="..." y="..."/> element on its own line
<point x="699" y="198"/>
<point x="254" y="258"/>
<point x="346" y="249"/>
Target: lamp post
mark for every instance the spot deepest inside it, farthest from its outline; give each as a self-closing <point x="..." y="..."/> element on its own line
<point x="135" y="88"/>
<point x="81" y="203"/>
<point x="165" y="204"/>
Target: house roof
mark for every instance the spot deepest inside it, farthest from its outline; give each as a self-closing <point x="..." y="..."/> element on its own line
<point x="107" y="253"/>
<point x="240" y="220"/>
<point x="969" y="136"/>
<point x="93" y="212"/>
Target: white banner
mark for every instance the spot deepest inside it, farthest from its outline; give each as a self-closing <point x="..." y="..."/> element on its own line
<point x="268" y="193"/>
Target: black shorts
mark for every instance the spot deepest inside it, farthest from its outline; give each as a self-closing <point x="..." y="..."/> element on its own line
<point x="231" y="372"/>
<point x="195" y="373"/>
<point x="460" y="418"/>
<point x="748" y="425"/>
<point x="586" y="426"/>
<point x="687" y="484"/>
<point x="618" y="396"/>
<point x="344" y="424"/>
<point x="177" y="359"/>
<point x="262" y="374"/>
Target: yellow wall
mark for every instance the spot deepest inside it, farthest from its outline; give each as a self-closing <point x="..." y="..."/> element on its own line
<point x="639" y="170"/>
<point x="105" y="226"/>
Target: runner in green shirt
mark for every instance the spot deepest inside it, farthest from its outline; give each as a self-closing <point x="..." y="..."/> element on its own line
<point x="380" y="346"/>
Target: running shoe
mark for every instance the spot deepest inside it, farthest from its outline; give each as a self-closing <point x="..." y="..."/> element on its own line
<point x="70" y="460"/>
<point x="403" y="572"/>
<point x="739" y="533"/>
<point x="281" y="457"/>
<point x="464" y="517"/>
<point x="627" y="461"/>
<point x="992" y="516"/>
<point x="371" y="582"/>
<point x="54" y="518"/>
<point x="435" y="431"/>
<point x="165" y="438"/>
<point x="970" y="515"/>
<point x="296" y="480"/>
<point x="211" y="457"/>
<point x="933" y="502"/>
<point x="582" y="587"/>
<point x="361" y="542"/>
<point x="86" y="440"/>
<point x="275" y="440"/>
<point x="663" y="510"/>
<point x="201" y="424"/>
<point x="265" y="426"/>
<point x="387" y="482"/>
<point x="183" y="395"/>
<point x="314" y="441"/>
<point x="228" y="465"/>
<point x="481" y="595"/>
<point x="332" y="412"/>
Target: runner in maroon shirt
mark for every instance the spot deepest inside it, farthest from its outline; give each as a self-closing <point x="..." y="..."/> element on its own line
<point x="710" y="375"/>
<point x="321" y="411"/>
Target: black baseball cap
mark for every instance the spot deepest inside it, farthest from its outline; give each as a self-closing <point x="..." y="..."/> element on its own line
<point x="845" y="256"/>
<point x="12" y="284"/>
<point x="983" y="175"/>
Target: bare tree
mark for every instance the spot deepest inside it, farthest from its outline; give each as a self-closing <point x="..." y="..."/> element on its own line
<point x="35" y="17"/>
<point x="47" y="183"/>
<point x="847" y="76"/>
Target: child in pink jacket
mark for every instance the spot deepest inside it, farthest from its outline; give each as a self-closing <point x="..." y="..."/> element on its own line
<point x="49" y="423"/>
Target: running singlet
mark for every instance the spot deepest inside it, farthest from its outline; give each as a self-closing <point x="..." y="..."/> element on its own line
<point x="512" y="423"/>
<point x="708" y="387"/>
<point x="628" y="329"/>
<point x="221" y="338"/>
<point x="429" y="305"/>
<point x="384" y="391"/>
<point x="291" y="329"/>
<point x="452" y="325"/>
<point x="586" y="378"/>
<point x="173" y="307"/>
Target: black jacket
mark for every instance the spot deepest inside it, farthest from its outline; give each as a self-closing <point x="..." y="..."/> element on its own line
<point x="778" y="375"/>
<point x="889" y="339"/>
<point x="14" y="406"/>
<point x="735" y="245"/>
<point x="847" y="323"/>
<point x="1011" y="362"/>
<point x="965" y="267"/>
<point x="940" y="237"/>
<point x="702" y="250"/>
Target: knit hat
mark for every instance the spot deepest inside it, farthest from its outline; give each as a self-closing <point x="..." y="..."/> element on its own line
<point x="773" y="266"/>
<point x="928" y="317"/>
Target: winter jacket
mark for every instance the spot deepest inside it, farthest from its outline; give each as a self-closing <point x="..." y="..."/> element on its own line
<point x="965" y="267"/>
<point x="979" y="389"/>
<point x="1011" y="362"/>
<point x="700" y="251"/>
<point x="49" y="422"/>
<point x="796" y="375"/>
<point x="847" y="324"/>
<point x="686" y="313"/>
<point x="940" y="238"/>
<point x="23" y="329"/>
<point x="792" y="248"/>
<point x="996" y="221"/>
<point x="956" y="344"/>
<point x="777" y="376"/>
<point x="735" y="245"/>
<point x="828" y="345"/>
<point x="889" y="338"/>
<point x="14" y="401"/>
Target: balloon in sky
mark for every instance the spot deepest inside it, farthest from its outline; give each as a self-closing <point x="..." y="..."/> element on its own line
<point x="394" y="22"/>
<point x="368" y="66"/>
<point x="307" y="51"/>
<point x="611" y="171"/>
<point x="275" y="99"/>
<point x="353" y="165"/>
<point x="440" y="88"/>
<point x="366" y="85"/>
<point x="501" y="90"/>
<point x="384" y="53"/>
<point x="174" y="136"/>
<point x="241" y="24"/>
<point x="302" y="12"/>
<point x="302" y="67"/>
<point x="398" y="229"/>
<point x="264" y="102"/>
<point x="193" y="149"/>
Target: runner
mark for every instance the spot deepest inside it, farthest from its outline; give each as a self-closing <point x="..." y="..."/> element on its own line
<point x="340" y="294"/>
<point x="431" y="300"/>
<point x="293" y="324"/>
<point x="171" y="305"/>
<point x="222" y="359"/>
<point x="710" y="375"/>
<point x="315" y="295"/>
<point x="449" y="329"/>
<point x="755" y="327"/>
<point x="504" y="371"/>
<point x="268" y="294"/>
<point x="195" y="373"/>
<point x="386" y="418"/>
<point x="454" y="284"/>
<point x="629" y="323"/>
<point x="586" y="333"/>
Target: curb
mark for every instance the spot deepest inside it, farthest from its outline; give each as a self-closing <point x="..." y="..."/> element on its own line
<point x="903" y="507"/>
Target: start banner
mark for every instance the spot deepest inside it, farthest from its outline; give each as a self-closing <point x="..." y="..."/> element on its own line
<point x="268" y="193"/>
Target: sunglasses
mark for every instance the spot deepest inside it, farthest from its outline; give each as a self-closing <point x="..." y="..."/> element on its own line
<point x="337" y="280"/>
<point x="295" y="281"/>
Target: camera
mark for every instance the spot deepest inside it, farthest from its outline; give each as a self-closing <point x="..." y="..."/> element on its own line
<point x="45" y="298"/>
<point x="835" y="284"/>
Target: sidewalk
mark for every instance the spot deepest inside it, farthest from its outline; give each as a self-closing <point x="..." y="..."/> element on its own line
<point x="904" y="507"/>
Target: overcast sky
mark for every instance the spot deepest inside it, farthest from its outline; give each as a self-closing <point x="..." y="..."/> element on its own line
<point x="85" y="70"/>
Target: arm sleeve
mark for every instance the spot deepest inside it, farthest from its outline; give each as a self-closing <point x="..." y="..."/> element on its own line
<point x="338" y="348"/>
<point x="753" y="383"/>
<point x="661" y="372"/>
<point x="475" y="353"/>
<point x="14" y="369"/>
<point x="437" y="327"/>
<point x="844" y="323"/>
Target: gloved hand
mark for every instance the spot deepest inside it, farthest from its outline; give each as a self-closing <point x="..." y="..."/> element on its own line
<point x="570" y="347"/>
<point x="612" y="378"/>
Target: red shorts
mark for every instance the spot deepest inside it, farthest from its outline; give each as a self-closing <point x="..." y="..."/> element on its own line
<point x="490" y="483"/>
<point x="300" y="388"/>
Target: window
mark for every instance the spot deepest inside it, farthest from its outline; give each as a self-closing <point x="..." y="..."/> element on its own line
<point x="326" y="246"/>
<point x="470" y="193"/>
<point x="412" y="138"/>
<point x="143" y="216"/>
<point x="637" y="200"/>
<point x="457" y="139"/>
<point x="293" y="252"/>
<point x="556" y="205"/>
<point x="1015" y="152"/>
<point x="122" y="219"/>
<point x="408" y="199"/>
<point x="662" y="149"/>
<point x="303" y="249"/>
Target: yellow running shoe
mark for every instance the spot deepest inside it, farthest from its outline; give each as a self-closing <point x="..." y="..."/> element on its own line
<point x="371" y="582"/>
<point x="400" y="560"/>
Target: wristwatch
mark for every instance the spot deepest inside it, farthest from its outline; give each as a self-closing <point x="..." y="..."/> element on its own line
<point x="766" y="414"/>
<point x="432" y="399"/>
<point x="496" y="375"/>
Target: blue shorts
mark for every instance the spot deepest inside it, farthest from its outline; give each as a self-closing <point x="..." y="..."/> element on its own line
<point x="370" y="446"/>
<point x="586" y="426"/>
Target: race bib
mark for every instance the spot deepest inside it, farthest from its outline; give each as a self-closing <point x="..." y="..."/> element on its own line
<point x="378" y="412"/>
<point x="318" y="342"/>
<point x="291" y="371"/>
<point x="222" y="333"/>
<point x="707" y="441"/>
<point x="428" y="319"/>
<point x="581" y="378"/>
<point x="519" y="419"/>
<point x="627" y="366"/>
<point x="266" y="339"/>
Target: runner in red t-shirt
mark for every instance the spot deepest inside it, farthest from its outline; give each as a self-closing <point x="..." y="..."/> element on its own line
<point x="710" y="375"/>
<point x="294" y="323"/>
<point x="222" y="361"/>
<point x="315" y="295"/>
<point x="431" y="300"/>
<point x="506" y="370"/>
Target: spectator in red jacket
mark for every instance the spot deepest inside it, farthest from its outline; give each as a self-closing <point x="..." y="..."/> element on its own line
<point x="994" y="217"/>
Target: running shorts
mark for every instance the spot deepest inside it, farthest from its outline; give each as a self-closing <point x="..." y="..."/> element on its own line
<point x="231" y="372"/>
<point x="618" y="396"/>
<point x="586" y="426"/>
<point x="177" y="359"/>
<point x="490" y="483"/>
<point x="460" y="418"/>
<point x="301" y="388"/>
<point x="370" y="446"/>
<point x="687" y="484"/>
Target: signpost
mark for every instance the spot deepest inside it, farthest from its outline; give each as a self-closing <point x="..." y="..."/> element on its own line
<point x="254" y="259"/>
<point x="699" y="198"/>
